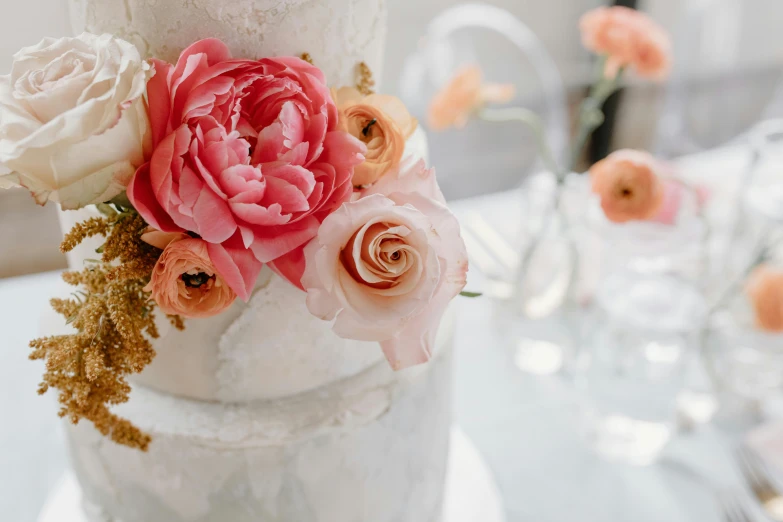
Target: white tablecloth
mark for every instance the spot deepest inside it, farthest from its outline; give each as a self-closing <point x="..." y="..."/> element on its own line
<point x="525" y="426"/>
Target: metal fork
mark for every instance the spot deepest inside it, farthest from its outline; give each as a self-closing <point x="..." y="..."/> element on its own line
<point x="768" y="495"/>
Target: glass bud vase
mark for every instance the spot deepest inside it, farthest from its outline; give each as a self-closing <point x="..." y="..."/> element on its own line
<point x="544" y="320"/>
<point x="645" y="329"/>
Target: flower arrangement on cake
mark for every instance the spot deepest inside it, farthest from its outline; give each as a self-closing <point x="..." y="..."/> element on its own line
<point x="203" y="171"/>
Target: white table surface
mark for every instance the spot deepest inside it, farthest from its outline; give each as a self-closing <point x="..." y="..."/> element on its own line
<point x="524" y="426"/>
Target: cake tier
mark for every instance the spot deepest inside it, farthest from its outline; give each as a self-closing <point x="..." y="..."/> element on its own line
<point x="372" y="447"/>
<point x="338" y="34"/>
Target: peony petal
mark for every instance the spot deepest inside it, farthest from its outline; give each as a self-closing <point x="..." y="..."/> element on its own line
<point x="159" y="99"/>
<point x="214" y="220"/>
<point x="278" y="241"/>
<point x="291" y="266"/>
<point x="236" y="265"/>
<point x="142" y="196"/>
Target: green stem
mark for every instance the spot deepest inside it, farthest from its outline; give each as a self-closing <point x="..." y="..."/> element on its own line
<point x="591" y="114"/>
<point x="533" y="121"/>
<point x="122" y="201"/>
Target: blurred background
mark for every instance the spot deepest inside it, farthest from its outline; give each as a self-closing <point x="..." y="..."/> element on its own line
<point x="727" y="77"/>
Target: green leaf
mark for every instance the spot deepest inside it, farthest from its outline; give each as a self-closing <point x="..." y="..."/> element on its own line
<point x="71" y="319"/>
<point x="99" y="250"/>
<point x="121" y="202"/>
<point x="471" y="295"/>
<point x="106" y="209"/>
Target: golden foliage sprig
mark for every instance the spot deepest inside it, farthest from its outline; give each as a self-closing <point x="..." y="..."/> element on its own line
<point x="365" y="83"/>
<point x="113" y="318"/>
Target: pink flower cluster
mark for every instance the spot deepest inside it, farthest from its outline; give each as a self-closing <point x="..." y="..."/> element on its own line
<point x="252" y="165"/>
<point x="247" y="156"/>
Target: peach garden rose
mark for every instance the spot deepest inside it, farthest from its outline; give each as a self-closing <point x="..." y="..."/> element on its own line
<point x="185" y="282"/>
<point x="628" y="186"/>
<point x="382" y="123"/>
<point x="764" y="288"/>
<point x="73" y="120"/>
<point x="385" y="267"/>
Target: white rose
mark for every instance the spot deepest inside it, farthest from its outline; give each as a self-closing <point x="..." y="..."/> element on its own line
<point x="73" y="119"/>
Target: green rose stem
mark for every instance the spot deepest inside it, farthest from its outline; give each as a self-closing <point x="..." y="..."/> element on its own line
<point x="591" y="114"/>
<point x="533" y="121"/>
<point x="590" y="117"/>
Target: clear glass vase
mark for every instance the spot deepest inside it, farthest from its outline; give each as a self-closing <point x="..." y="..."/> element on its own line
<point x="645" y="329"/>
<point x="746" y="363"/>
<point x="544" y="320"/>
<point x="674" y="246"/>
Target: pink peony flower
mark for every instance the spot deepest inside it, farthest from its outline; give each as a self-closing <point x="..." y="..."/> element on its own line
<point x="628" y="185"/>
<point x="764" y="288"/>
<point x="247" y="155"/>
<point x="184" y="281"/>
<point x="628" y="38"/>
<point x="384" y="268"/>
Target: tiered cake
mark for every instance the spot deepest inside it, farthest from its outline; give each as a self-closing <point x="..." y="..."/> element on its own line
<point x="262" y="413"/>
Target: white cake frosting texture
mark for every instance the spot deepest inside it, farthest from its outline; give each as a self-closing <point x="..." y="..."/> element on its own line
<point x="338" y="34"/>
<point x="262" y="413"/>
<point x="368" y="448"/>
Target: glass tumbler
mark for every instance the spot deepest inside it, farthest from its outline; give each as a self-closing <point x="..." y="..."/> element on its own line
<point x="645" y="328"/>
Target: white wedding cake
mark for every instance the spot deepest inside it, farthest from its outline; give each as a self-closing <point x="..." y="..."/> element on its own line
<point x="263" y="413"/>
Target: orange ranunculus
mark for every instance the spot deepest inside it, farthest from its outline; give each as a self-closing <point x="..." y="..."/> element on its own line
<point x="184" y="281"/>
<point x="464" y="95"/>
<point x="765" y="290"/>
<point x="628" y="185"/>
<point x="628" y="38"/>
<point x="382" y="123"/>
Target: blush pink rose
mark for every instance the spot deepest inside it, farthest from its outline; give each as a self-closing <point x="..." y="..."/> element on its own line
<point x="385" y="268"/>
<point x="407" y="177"/>
<point x="247" y="155"/>
<point x="628" y="38"/>
<point x="184" y="281"/>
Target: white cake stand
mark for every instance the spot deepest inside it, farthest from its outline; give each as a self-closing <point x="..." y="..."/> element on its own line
<point x="471" y="492"/>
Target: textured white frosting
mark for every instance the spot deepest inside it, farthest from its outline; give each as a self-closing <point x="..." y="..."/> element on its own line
<point x="338" y="34"/>
<point x="368" y="448"/>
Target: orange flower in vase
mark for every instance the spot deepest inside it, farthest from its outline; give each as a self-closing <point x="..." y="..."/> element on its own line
<point x="628" y="38"/>
<point x="628" y="185"/>
<point x="462" y="96"/>
<point x="764" y="288"/>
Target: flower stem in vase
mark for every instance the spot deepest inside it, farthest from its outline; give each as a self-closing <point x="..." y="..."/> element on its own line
<point x="533" y="121"/>
<point x="591" y="114"/>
